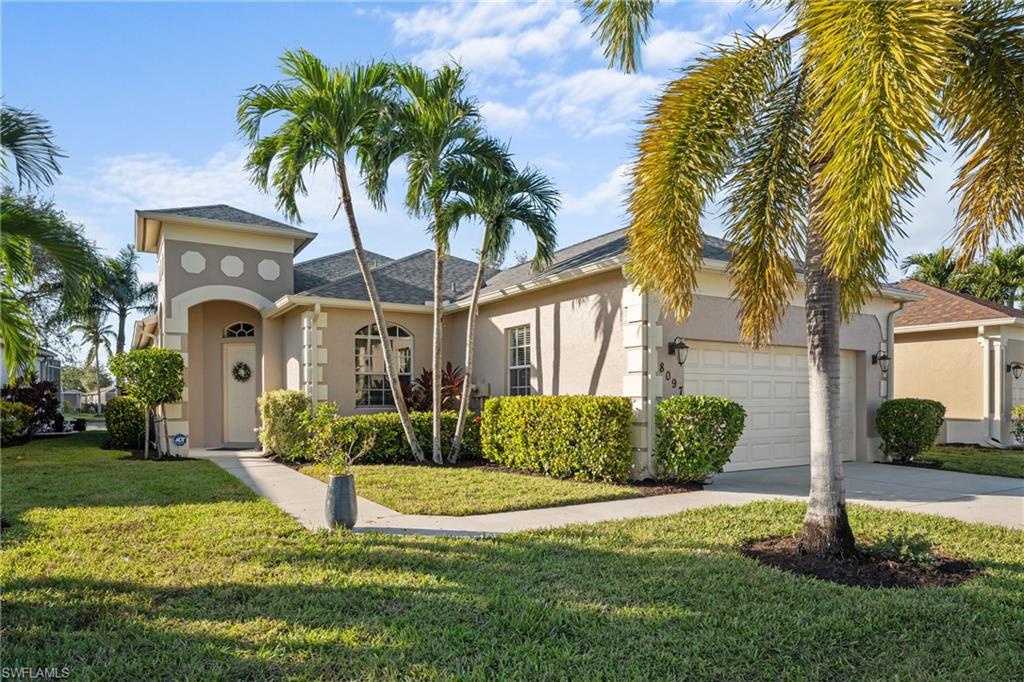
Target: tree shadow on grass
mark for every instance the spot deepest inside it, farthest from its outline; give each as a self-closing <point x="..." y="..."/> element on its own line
<point x="537" y="606"/>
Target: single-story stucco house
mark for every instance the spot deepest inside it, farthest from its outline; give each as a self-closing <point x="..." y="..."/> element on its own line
<point x="248" y="318"/>
<point x="968" y="354"/>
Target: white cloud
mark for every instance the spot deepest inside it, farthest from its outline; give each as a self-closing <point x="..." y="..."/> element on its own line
<point x="594" y="101"/>
<point x="490" y="37"/>
<point x="606" y="196"/>
<point x="673" y="47"/>
<point x="504" y="116"/>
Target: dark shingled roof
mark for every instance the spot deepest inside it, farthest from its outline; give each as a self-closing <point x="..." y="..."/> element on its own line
<point x="225" y="213"/>
<point x="406" y="280"/>
<point x="941" y="306"/>
<point x="320" y="271"/>
<point x="586" y="253"/>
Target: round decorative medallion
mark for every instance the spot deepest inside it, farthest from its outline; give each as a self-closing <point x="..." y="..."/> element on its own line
<point x="241" y="372"/>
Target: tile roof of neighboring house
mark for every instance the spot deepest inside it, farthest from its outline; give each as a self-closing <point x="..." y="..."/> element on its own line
<point x="225" y="213"/>
<point x="585" y="253"/>
<point x="405" y="280"/>
<point x="317" y="272"/>
<point x="944" y="306"/>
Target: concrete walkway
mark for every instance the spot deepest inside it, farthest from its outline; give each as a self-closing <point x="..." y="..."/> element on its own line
<point x="985" y="499"/>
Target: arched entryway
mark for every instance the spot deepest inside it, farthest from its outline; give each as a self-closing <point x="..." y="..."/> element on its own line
<point x="225" y="373"/>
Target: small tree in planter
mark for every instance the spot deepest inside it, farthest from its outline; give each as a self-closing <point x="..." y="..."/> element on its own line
<point x="338" y="443"/>
<point x="152" y="375"/>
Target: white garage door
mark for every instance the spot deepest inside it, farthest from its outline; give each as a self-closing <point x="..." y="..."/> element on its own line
<point x="771" y="384"/>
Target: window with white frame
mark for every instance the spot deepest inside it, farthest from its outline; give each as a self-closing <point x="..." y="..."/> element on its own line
<point x="372" y="387"/>
<point x="239" y="330"/>
<point x="519" y="360"/>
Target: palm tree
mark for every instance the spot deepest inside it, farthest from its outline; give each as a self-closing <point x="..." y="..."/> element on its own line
<point x="501" y="197"/>
<point x="999" y="276"/>
<point x="328" y="114"/>
<point x="96" y="334"/>
<point x="437" y="128"/>
<point x="26" y="141"/>
<point x="937" y="268"/>
<point x="818" y="138"/>
<point x="122" y="293"/>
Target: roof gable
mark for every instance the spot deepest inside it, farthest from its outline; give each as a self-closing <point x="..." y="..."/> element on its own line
<point x="148" y="223"/>
<point x="942" y="306"/>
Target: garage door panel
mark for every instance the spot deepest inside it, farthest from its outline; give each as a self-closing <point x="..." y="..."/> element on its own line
<point x="772" y="386"/>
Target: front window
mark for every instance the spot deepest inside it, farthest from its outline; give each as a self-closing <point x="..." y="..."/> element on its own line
<point x="372" y="387"/>
<point x="239" y="330"/>
<point x="519" y="361"/>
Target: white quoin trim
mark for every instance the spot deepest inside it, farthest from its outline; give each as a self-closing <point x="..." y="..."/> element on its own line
<point x="177" y="321"/>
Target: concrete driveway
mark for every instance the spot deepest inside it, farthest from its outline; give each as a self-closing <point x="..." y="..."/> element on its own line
<point x="969" y="497"/>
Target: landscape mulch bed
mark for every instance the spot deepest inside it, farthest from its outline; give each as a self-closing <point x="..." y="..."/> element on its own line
<point x="923" y="464"/>
<point x="864" y="570"/>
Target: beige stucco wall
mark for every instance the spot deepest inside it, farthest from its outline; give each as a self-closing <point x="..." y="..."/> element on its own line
<point x="205" y="371"/>
<point x="714" y="318"/>
<point x="339" y="341"/>
<point x="291" y="345"/>
<point x="178" y="280"/>
<point x="943" y="365"/>
<point x="582" y="318"/>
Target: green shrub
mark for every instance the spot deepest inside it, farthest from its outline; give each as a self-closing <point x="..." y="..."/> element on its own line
<point x="572" y="436"/>
<point x="334" y="440"/>
<point x="696" y="435"/>
<point x="283" y="428"/>
<point x="906" y="426"/>
<point x="126" y="422"/>
<point x="14" y="420"/>
<point x="390" y="446"/>
<point x="1017" y="420"/>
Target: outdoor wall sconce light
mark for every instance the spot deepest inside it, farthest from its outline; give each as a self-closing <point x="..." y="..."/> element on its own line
<point x="678" y="348"/>
<point x="1016" y="368"/>
<point x="881" y="358"/>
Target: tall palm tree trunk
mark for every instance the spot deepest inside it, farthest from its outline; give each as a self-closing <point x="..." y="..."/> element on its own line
<point x="826" y="530"/>
<point x="390" y="367"/>
<point x="435" y="385"/>
<point x="99" y="386"/>
<point x="122" y="318"/>
<point x="467" y="382"/>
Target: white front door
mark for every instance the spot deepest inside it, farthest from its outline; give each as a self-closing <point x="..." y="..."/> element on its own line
<point x="771" y="384"/>
<point x="239" y="373"/>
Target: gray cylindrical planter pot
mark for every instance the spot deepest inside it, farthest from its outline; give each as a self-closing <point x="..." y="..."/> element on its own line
<point x="340" y="504"/>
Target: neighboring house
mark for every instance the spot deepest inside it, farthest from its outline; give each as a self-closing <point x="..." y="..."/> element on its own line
<point x="248" y="319"/>
<point x="73" y="398"/>
<point x="105" y="394"/>
<point x="46" y="366"/>
<point x="961" y="351"/>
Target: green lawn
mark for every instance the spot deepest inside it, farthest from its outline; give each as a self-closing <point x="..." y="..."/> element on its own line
<point x="977" y="460"/>
<point x="468" y="490"/>
<point x="173" y="570"/>
<point x="87" y="416"/>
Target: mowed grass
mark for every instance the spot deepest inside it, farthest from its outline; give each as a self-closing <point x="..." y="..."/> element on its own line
<point x="458" y="491"/>
<point x="173" y="570"/>
<point x="976" y="460"/>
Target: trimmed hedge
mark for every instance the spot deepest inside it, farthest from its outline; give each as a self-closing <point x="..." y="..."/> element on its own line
<point x="1017" y="420"/>
<point x="389" y="444"/>
<point x="283" y="426"/>
<point x="696" y="435"/>
<point x="126" y="422"/>
<point x="568" y="436"/>
<point x="907" y="426"/>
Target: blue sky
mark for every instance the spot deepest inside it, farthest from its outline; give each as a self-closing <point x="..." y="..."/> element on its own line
<point x="142" y="98"/>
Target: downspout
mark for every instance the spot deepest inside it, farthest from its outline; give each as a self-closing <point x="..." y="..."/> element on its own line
<point x="890" y="348"/>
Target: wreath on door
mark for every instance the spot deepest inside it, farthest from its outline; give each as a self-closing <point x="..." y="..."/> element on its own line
<point x="241" y="372"/>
